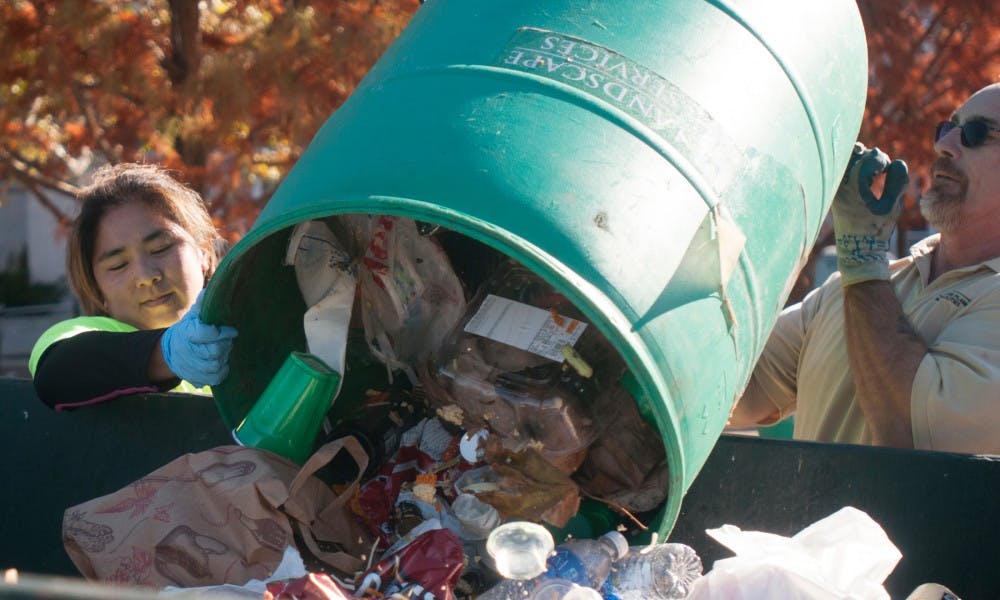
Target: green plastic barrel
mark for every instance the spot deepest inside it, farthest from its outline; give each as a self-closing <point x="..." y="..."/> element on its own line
<point x="666" y="164"/>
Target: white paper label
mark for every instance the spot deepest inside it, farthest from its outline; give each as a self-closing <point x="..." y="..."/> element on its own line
<point x="524" y="326"/>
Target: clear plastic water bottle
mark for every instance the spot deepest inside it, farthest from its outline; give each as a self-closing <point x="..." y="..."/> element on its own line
<point x="657" y="572"/>
<point x="587" y="562"/>
<point x="510" y="589"/>
<point x="561" y="589"/>
<point x="539" y="588"/>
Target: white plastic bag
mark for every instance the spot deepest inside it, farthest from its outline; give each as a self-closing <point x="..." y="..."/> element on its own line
<point x="410" y="295"/>
<point x="844" y="556"/>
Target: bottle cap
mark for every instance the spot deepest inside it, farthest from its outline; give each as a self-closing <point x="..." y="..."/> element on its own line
<point x="618" y="541"/>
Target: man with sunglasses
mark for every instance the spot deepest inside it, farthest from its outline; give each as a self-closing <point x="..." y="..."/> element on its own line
<point x="903" y="354"/>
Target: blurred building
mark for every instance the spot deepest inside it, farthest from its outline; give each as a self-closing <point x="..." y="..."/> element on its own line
<point x="27" y="226"/>
<point x="29" y="229"/>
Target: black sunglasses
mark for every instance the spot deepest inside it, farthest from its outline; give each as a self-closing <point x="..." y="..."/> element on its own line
<point x="974" y="132"/>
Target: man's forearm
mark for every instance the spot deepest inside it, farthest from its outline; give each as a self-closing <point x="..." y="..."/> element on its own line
<point x="884" y="353"/>
<point x="752" y="409"/>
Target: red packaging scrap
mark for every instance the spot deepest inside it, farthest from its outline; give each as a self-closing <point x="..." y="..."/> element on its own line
<point x="313" y="586"/>
<point x="422" y="448"/>
<point x="433" y="561"/>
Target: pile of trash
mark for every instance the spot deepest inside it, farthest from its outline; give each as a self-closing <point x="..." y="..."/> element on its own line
<point x="440" y="493"/>
<point x="487" y="405"/>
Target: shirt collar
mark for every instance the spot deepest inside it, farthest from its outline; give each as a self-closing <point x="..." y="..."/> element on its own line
<point x="924" y="249"/>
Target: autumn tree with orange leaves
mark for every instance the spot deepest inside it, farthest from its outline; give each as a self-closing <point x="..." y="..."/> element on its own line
<point x="229" y="92"/>
<point x="225" y="92"/>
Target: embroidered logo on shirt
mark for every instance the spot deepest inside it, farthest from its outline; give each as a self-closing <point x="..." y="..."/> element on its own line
<point x="957" y="298"/>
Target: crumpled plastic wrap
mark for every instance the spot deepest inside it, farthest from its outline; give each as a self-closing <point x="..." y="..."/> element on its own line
<point x="844" y="556"/>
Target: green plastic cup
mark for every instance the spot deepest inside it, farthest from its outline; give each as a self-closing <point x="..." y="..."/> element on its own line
<point x="287" y="416"/>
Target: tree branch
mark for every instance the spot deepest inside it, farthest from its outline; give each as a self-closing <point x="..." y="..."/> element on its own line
<point x="31" y="176"/>
<point x="185" y="37"/>
<point x="931" y="73"/>
<point x="61" y="217"/>
<point x="94" y="123"/>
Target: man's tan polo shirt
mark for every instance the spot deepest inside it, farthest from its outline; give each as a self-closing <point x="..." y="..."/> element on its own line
<point x="955" y="400"/>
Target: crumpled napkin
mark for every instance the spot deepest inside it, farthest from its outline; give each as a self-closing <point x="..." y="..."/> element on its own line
<point x="844" y="556"/>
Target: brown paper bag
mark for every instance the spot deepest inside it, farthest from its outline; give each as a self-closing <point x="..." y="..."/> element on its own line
<point x="224" y="515"/>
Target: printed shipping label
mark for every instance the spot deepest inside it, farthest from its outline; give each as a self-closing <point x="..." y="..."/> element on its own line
<point x="524" y="326"/>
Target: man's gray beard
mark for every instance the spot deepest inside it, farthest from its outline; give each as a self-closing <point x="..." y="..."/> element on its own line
<point x="943" y="211"/>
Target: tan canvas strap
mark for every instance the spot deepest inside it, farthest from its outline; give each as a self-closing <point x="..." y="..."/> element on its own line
<point x="321" y="518"/>
<point x="326" y="453"/>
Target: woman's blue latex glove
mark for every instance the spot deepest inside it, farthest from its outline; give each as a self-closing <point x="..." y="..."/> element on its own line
<point x="195" y="351"/>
